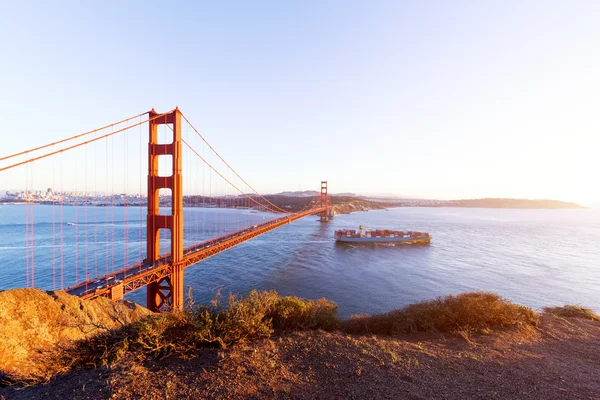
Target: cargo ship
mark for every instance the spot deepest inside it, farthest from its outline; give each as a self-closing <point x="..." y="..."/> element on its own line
<point x="381" y="236"/>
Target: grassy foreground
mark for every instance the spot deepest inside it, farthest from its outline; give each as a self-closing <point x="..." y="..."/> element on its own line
<point x="472" y="345"/>
<point x="263" y="314"/>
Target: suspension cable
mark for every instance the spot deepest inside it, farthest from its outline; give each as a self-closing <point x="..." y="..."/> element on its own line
<point x="70" y="138"/>
<point x="83" y="143"/>
<point x="228" y="181"/>
<point x="229" y="166"/>
<point x="308" y="205"/>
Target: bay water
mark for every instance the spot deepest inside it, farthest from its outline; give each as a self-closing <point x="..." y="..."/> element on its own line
<point x="533" y="257"/>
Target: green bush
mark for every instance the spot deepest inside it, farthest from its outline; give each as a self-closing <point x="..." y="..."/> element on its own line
<point x="293" y="313"/>
<point x="240" y="319"/>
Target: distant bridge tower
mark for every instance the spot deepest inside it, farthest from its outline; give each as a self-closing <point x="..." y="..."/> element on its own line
<point x="168" y="292"/>
<point x="324" y="202"/>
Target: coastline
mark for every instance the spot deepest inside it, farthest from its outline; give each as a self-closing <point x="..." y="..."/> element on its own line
<point x="344" y="206"/>
<point x="343" y="209"/>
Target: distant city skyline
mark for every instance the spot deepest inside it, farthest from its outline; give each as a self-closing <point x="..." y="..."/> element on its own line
<point x="47" y="195"/>
<point x="435" y="100"/>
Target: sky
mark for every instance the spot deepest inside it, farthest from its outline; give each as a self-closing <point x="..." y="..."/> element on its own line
<point x="433" y="99"/>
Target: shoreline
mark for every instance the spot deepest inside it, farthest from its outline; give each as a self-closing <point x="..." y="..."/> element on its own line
<point x="459" y="207"/>
<point x="349" y="205"/>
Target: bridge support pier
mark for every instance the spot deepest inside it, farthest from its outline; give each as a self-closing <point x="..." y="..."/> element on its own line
<point x="168" y="292"/>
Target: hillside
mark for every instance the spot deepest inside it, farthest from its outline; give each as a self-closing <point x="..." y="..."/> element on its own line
<point x="561" y="361"/>
<point x="495" y="350"/>
<point x="340" y="204"/>
<point x="305" y="193"/>
<point x="33" y="321"/>
<point x="347" y="205"/>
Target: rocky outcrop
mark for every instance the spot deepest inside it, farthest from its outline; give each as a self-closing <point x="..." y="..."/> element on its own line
<point x="33" y="322"/>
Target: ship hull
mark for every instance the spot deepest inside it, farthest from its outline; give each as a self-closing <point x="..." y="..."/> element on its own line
<point x="385" y="240"/>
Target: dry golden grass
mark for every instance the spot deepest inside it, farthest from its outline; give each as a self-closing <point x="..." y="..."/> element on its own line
<point x="573" y="311"/>
<point x="33" y="322"/>
<point x="235" y="319"/>
<point x="292" y="313"/>
<point x="258" y="315"/>
<point x="466" y="311"/>
<point x="262" y="313"/>
<point x="222" y="323"/>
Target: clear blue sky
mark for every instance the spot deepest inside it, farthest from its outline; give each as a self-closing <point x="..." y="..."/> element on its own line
<point x="443" y="99"/>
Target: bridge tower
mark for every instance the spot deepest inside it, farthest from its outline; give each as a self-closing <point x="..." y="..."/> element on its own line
<point x="168" y="292"/>
<point x="324" y="202"/>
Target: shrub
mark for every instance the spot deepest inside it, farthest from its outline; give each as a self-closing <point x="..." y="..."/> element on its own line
<point x="476" y="310"/>
<point x="572" y="311"/>
<point x="259" y="315"/>
<point x="262" y="313"/>
<point x="293" y="313"/>
<point x="221" y="323"/>
<point x="156" y="336"/>
<point x="241" y="319"/>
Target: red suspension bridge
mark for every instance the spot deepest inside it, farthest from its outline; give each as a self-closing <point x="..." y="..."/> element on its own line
<point x="101" y="169"/>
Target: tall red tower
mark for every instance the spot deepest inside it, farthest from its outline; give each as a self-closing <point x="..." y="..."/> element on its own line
<point x="168" y="292"/>
<point x="324" y="202"/>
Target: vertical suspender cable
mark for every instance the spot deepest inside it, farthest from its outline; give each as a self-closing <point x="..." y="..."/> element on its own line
<point x="76" y="224"/>
<point x="125" y="205"/>
<point x="53" y="228"/>
<point x="106" y="213"/>
<point x="27" y="225"/>
<point x="86" y="206"/>
<point x="32" y="276"/>
<point x="62" y="258"/>
<point x="96" y="210"/>
<point x="112" y="204"/>
<point x="141" y="174"/>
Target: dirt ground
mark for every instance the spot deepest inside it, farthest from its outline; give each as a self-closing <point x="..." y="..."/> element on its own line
<point x="558" y="360"/>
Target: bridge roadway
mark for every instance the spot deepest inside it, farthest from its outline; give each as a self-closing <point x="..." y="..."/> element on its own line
<point x="136" y="276"/>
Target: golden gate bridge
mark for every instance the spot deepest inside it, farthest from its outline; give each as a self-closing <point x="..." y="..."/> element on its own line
<point x="99" y="164"/>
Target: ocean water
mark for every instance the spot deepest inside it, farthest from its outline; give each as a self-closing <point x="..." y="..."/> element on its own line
<point x="533" y="257"/>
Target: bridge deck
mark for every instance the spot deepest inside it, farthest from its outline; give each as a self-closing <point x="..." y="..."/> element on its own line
<point x="141" y="274"/>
